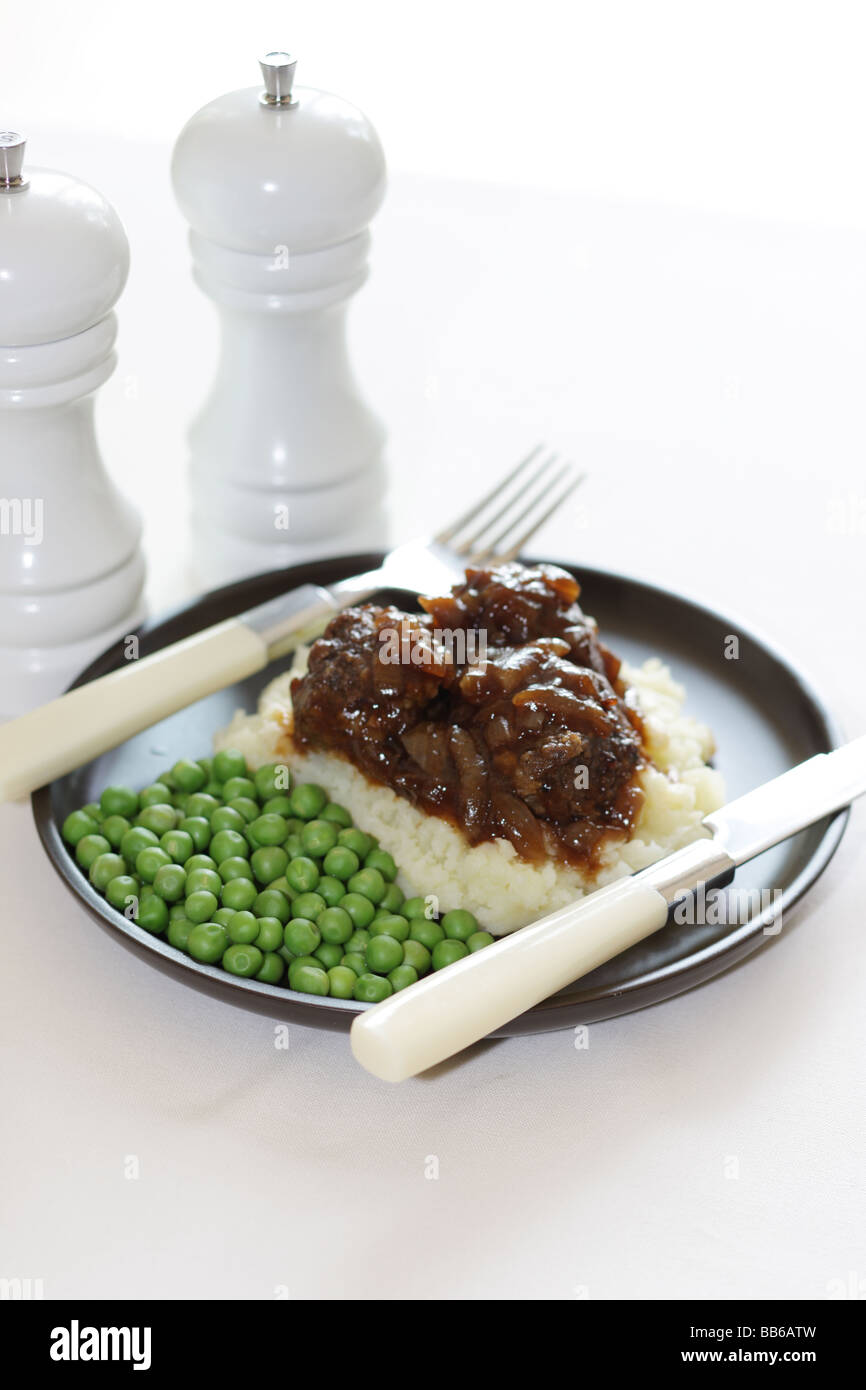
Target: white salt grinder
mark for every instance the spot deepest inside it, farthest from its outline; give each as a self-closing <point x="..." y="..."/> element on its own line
<point x="71" y="570"/>
<point x="278" y="186"/>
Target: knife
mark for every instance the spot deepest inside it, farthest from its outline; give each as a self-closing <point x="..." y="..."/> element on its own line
<point x="451" y="1009"/>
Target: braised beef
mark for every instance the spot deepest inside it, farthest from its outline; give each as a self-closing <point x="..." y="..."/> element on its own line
<point x="497" y="708"/>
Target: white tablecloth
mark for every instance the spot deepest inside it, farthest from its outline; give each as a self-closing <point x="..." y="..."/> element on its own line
<point x="710" y="376"/>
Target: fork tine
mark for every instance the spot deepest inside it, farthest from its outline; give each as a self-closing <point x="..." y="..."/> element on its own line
<point x="469" y="546"/>
<point x="444" y="537"/>
<point x="516" y="547"/>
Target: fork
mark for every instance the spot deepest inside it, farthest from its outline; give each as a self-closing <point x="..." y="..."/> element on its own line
<point x="71" y="730"/>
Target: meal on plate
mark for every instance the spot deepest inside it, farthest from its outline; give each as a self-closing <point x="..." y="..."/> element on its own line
<point x="491" y="744"/>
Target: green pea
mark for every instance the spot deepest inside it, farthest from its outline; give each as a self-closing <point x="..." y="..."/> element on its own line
<point x="270" y="933"/>
<point x="341" y="980"/>
<point x="114" y="828"/>
<point x="246" y="807"/>
<point x="302" y="874"/>
<point x="149" y="861"/>
<point x="118" y="801"/>
<point x="178" y="845"/>
<point x="158" y="818"/>
<point x="243" y="928"/>
<point x="170" y="882"/>
<point x="401" y="977"/>
<point x="447" y="952"/>
<point x="331" y="889"/>
<point x="358" y="941"/>
<point x="203" y="880"/>
<point x="239" y="786"/>
<point x="93" y="810"/>
<point x="226" y="818"/>
<point x="122" y="890"/>
<point x="293" y="847"/>
<point x="135" y="840"/>
<point x="478" y="940"/>
<point x="335" y="925"/>
<point x="272" y="969"/>
<point x="459" y="925"/>
<point x="283" y="886"/>
<point x="301" y="936"/>
<point x="207" y="942"/>
<point x="145" y="890"/>
<point x="104" y="868"/>
<point x="354" y="962"/>
<point x="226" y="844"/>
<point x="393" y="899"/>
<point x="224" y="915"/>
<point x="372" y="989"/>
<point x="175" y="909"/>
<point x="213" y="788"/>
<point x="201" y="905"/>
<point x="308" y="905"/>
<point x="202" y="804"/>
<point x="271" y="779"/>
<point x="279" y="806"/>
<point x="391" y="924"/>
<point x="369" y="883"/>
<point x="272" y="903"/>
<point x="179" y="801"/>
<point x="89" y="848"/>
<point x="417" y="956"/>
<point x="341" y="862"/>
<point x="189" y="776"/>
<point x="428" y="933"/>
<point x="198" y="829"/>
<point x="329" y="954"/>
<point x="379" y="859"/>
<point x="359" y="908"/>
<point x="156" y="794"/>
<point x="415" y="907"/>
<point x="228" y="763"/>
<point x="337" y="814"/>
<point x="235" y="867"/>
<point x="310" y="981"/>
<point x="355" y="840"/>
<point x="384" y="954"/>
<point x="239" y="894"/>
<point x="77" y="825"/>
<point x="269" y="863"/>
<point x="164" y="779"/>
<point x="318" y="837"/>
<point x="206" y="764"/>
<point x="296" y="962"/>
<point x="178" y="932"/>
<point x="308" y="801"/>
<point x="269" y="830"/>
<point x="200" y="861"/>
<point x="153" y="916"/>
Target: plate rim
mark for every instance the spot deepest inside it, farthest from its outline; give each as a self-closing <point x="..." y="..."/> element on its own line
<point x="672" y="978"/>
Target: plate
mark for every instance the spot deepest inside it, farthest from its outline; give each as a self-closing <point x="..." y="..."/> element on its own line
<point x="764" y="714"/>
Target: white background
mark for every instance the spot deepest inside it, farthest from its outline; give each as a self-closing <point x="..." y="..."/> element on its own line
<point x="637" y="230"/>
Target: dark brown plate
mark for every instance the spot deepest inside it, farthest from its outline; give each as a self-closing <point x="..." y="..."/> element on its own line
<point x="764" y="715"/>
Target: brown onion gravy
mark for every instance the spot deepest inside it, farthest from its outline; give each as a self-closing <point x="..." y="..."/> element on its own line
<point x="498" y="708"/>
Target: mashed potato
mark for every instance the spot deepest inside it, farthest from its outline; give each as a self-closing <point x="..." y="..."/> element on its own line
<point x="490" y="879"/>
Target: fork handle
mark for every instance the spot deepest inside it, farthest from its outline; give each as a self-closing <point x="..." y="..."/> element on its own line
<point x="50" y="741"/>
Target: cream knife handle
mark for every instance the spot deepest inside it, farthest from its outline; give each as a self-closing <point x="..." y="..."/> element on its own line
<point x="453" y="1008"/>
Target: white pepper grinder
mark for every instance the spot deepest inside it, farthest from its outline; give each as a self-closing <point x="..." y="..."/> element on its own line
<point x="279" y="185"/>
<point x="71" y="568"/>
